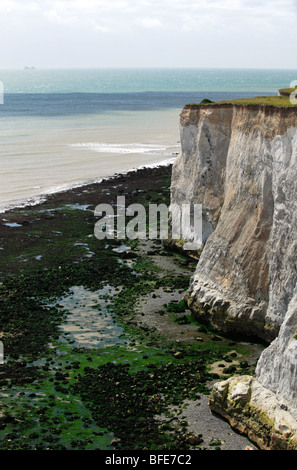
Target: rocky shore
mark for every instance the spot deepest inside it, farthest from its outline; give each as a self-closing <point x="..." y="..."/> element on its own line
<point x="101" y="351"/>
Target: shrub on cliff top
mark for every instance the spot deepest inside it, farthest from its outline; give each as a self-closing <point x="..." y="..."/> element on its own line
<point x="206" y="101"/>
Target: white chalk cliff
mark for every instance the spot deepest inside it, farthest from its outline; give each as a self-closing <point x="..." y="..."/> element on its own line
<point x="240" y="163"/>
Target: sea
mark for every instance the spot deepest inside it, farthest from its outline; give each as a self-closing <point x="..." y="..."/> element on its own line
<point x="61" y="129"/>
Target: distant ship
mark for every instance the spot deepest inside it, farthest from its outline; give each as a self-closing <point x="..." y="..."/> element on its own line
<point x="29" y="68"/>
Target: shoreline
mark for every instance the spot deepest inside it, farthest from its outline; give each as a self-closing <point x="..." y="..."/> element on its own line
<point x="17" y="223"/>
<point x="33" y="201"/>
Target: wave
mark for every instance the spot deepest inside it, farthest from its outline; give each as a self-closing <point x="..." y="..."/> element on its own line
<point x="121" y="148"/>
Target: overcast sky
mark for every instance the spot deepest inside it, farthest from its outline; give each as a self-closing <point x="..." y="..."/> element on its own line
<point x="148" y="33"/>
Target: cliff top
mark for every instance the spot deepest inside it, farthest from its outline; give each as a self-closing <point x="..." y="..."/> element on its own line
<point x="283" y="101"/>
<point x="286" y="91"/>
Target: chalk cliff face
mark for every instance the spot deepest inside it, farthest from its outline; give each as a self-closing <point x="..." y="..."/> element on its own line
<point x="240" y="163"/>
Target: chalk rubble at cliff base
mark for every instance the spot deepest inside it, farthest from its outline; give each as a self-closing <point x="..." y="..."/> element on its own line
<point x="256" y="412"/>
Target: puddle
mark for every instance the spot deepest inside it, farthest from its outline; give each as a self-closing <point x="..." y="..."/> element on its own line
<point x="51" y="211"/>
<point x="86" y="246"/>
<point x="130" y="263"/>
<point x="89" y="323"/>
<point x="82" y="207"/>
<point x="122" y="249"/>
<point x="48" y="211"/>
<point x="13" y="224"/>
<point x="126" y="262"/>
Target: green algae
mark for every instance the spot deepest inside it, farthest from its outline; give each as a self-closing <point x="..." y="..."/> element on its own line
<point x="129" y="402"/>
<point x="59" y="393"/>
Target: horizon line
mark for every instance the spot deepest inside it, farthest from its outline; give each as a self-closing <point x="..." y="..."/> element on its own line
<point x="36" y="68"/>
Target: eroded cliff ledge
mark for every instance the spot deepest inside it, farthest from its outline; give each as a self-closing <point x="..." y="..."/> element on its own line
<point x="240" y="163"/>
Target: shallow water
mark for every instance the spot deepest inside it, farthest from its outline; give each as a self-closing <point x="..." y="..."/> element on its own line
<point x="44" y="155"/>
<point x="64" y="128"/>
<point x="90" y="323"/>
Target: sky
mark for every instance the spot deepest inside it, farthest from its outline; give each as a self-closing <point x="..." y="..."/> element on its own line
<point x="148" y="33"/>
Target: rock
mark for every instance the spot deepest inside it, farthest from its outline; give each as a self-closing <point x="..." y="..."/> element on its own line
<point x="178" y="355"/>
<point x="255" y="411"/>
<point x="216" y="338"/>
<point x="115" y="442"/>
<point x="195" y="440"/>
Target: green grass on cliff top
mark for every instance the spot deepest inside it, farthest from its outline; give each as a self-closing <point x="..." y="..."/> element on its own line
<point x="279" y="101"/>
